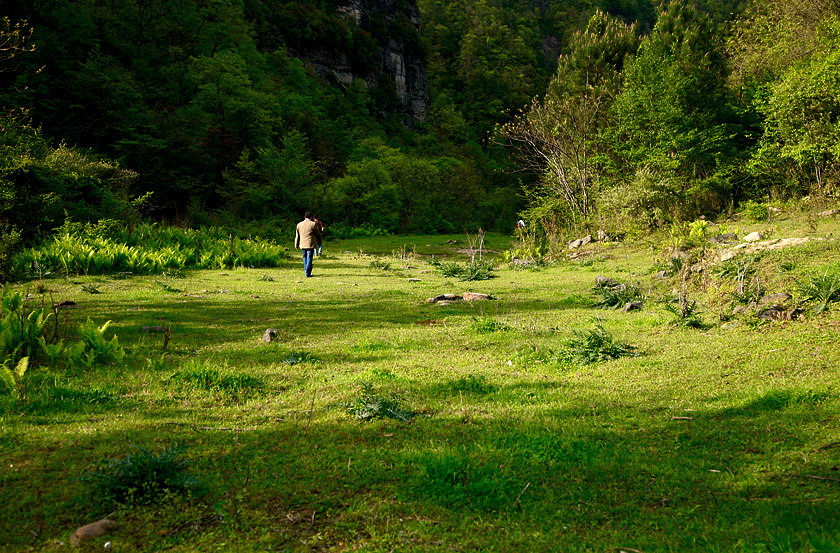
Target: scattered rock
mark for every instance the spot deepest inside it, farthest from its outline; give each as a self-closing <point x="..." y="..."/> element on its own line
<point x="828" y="213"/>
<point x="471" y="296"/>
<point x="66" y="303"/>
<point x="779" y="313"/>
<point x="444" y="297"/>
<point x="632" y="306"/>
<point x="414" y="280"/>
<point x="781" y="298"/>
<point x="575" y="244"/>
<point x="603" y="236"/>
<point x="271" y="334"/>
<point x="662" y="274"/>
<point x="754" y="237"/>
<point x="728" y="238"/>
<point x="586" y="239"/>
<point x="605" y="282"/>
<point x="93" y="530"/>
<point x="697" y="268"/>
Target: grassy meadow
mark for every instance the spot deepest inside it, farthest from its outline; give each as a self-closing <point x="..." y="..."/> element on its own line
<point x="376" y="421"/>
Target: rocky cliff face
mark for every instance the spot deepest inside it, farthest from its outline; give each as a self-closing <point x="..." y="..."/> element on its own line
<point x="396" y="71"/>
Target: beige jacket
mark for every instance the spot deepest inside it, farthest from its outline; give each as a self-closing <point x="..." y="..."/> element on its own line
<point x="307" y="235"/>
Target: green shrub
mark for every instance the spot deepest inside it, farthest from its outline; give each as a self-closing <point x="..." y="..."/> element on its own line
<point x="754" y="211"/>
<point x="143" y="476"/>
<point x="370" y="405"/>
<point x="686" y="313"/>
<point x="822" y="289"/>
<point x="96" y="348"/>
<point x="593" y="346"/>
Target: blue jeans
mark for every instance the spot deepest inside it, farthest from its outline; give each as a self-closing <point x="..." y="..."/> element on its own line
<point x="308" y="254"/>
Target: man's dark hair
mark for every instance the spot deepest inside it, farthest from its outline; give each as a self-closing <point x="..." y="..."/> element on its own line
<point x="307" y="215"/>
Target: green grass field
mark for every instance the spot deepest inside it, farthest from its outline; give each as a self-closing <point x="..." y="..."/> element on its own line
<point x="376" y="421"/>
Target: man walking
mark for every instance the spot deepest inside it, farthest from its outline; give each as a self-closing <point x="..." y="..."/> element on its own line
<point x="307" y="239"/>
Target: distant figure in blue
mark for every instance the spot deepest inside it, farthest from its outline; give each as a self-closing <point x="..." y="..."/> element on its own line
<point x="320" y="224"/>
<point x="307" y="239"/>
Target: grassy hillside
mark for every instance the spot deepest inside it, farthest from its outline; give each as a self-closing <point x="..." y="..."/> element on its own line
<point x="376" y="421"/>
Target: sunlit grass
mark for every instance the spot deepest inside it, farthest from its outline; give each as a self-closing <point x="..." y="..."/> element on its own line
<point x="704" y="441"/>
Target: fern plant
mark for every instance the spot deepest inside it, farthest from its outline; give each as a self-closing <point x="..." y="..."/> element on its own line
<point x="12" y="378"/>
<point x="822" y="289"/>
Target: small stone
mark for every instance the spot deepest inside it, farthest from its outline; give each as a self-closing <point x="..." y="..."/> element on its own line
<point x="471" y="296"/>
<point x="93" y="530"/>
<point x="414" y="280"/>
<point x="697" y="268"/>
<point x="603" y="236"/>
<point x="727" y="238"/>
<point x="586" y="239"/>
<point x="828" y="213"/>
<point x="605" y="282"/>
<point x="271" y="334"/>
<point x="632" y="306"/>
<point x="662" y="274"/>
<point x="574" y="244"/>
<point x="774" y="299"/>
<point x="753" y="237"/>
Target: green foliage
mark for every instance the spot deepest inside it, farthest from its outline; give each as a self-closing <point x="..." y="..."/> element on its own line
<point x="594" y="346"/>
<point x="478" y="269"/>
<point x="141" y="477"/>
<point x="754" y="211"/>
<point x="370" y="405"/>
<point x="686" y="313"/>
<point x="11" y="377"/>
<point x="822" y="289"/>
<point x="196" y="375"/>
<point x="96" y="349"/>
<point x="380" y="265"/>
<point x="616" y="297"/>
<point x="148" y="248"/>
<point x="488" y="325"/>
<point x="21" y="328"/>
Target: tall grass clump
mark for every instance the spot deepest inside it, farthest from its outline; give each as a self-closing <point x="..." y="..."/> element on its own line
<point x="141" y="477"/>
<point x="198" y="375"/>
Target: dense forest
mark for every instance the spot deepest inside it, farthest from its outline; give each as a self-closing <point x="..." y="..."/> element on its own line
<point x="617" y="114"/>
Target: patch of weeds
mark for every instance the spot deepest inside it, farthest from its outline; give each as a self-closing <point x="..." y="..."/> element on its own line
<point x="786" y="266"/>
<point x="457" y="481"/>
<point x="748" y="294"/>
<point x="822" y="289"/>
<point x="198" y="375"/>
<point x="297" y="357"/>
<point x="616" y="297"/>
<point x="141" y="477"/>
<point x="380" y="265"/>
<point x="266" y="278"/>
<point x="167" y="288"/>
<point x="370" y="405"/>
<point x="739" y="268"/>
<point x="370" y="347"/>
<point x="686" y="313"/>
<point x="532" y="355"/>
<point x="593" y="346"/>
<point x="488" y="325"/>
<point x="448" y="269"/>
<point x="477" y="270"/>
<point x="91" y="289"/>
<point x="471" y="384"/>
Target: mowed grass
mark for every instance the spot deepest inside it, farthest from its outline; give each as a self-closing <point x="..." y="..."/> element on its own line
<point x="725" y="438"/>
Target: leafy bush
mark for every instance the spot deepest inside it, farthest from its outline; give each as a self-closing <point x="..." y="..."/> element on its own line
<point x="380" y="265"/>
<point x="11" y="378"/>
<point x="593" y="346"/>
<point x="343" y="232"/>
<point x="21" y="328"/>
<point x="476" y="270"/>
<point x="370" y="405"/>
<point x="822" y="289"/>
<point x="754" y="211"/>
<point x="143" y="476"/>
